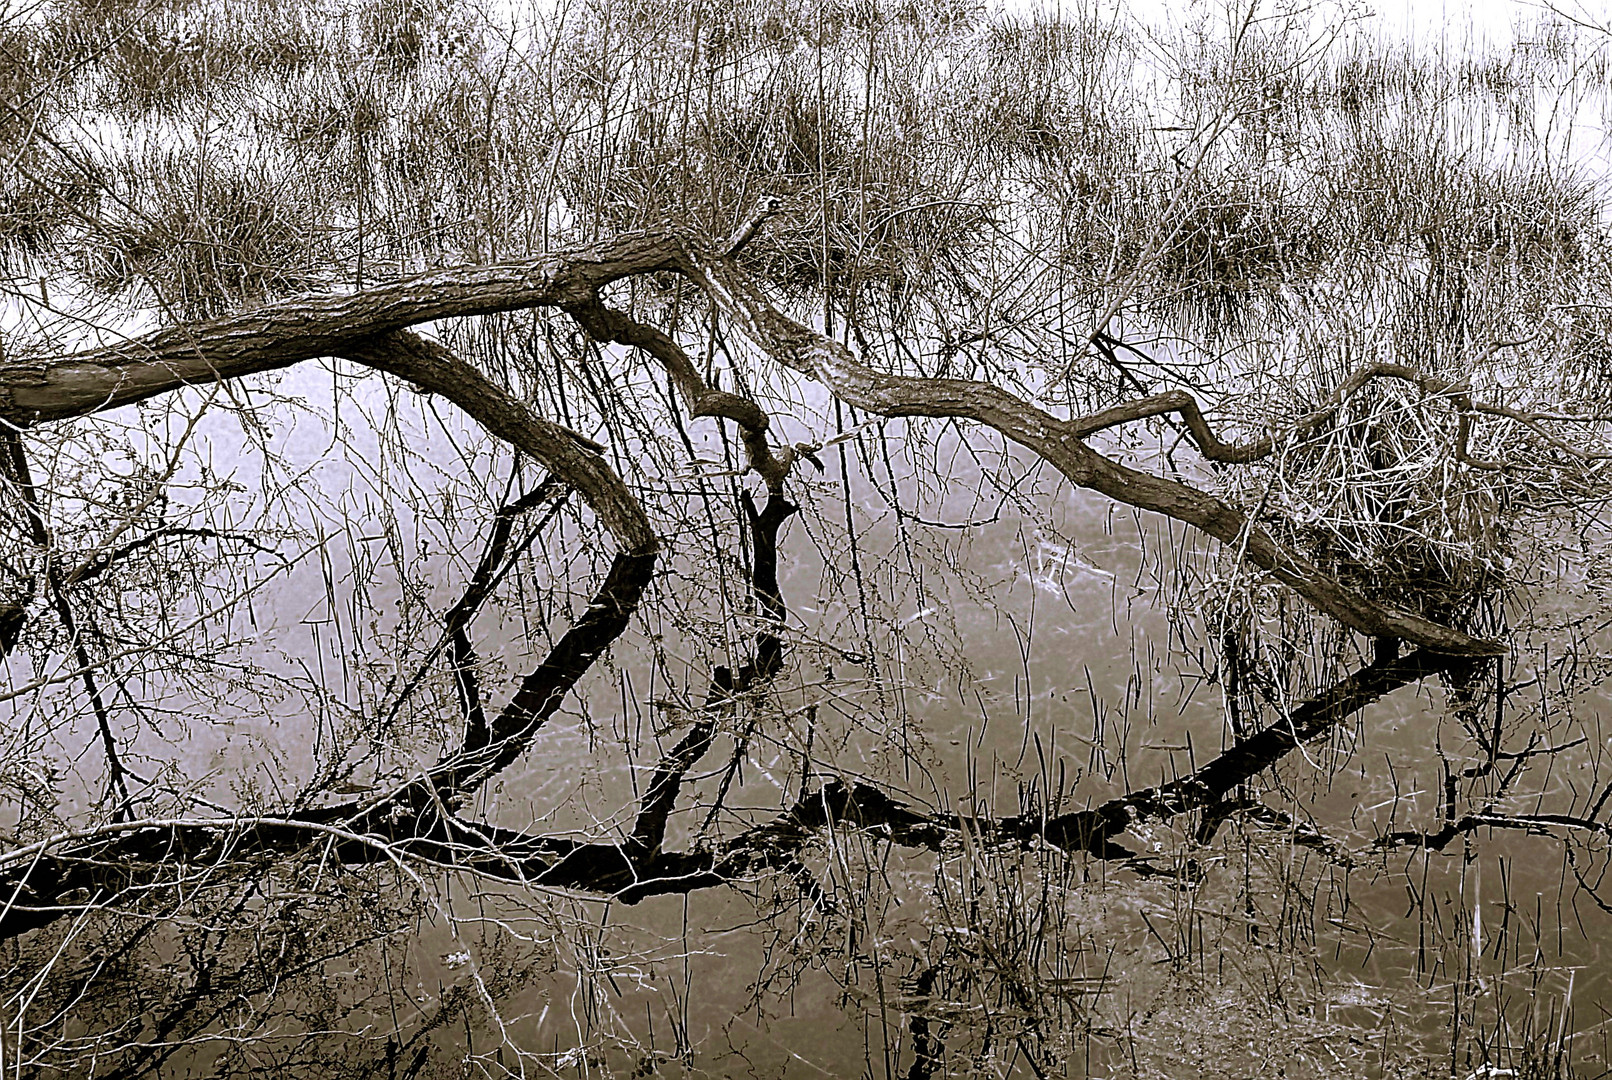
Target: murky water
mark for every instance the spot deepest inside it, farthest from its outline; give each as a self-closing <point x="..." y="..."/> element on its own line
<point x="1057" y="641"/>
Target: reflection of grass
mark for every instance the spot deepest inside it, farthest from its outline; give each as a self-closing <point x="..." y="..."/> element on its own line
<point x="1239" y="957"/>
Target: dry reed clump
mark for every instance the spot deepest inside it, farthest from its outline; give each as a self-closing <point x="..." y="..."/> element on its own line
<point x="1534" y="217"/>
<point x="1378" y="498"/>
<point x="1237" y="247"/>
<point x="326" y="110"/>
<point x="467" y="145"/>
<point x="783" y="128"/>
<point x="400" y="34"/>
<point x="28" y="76"/>
<point x="1335" y="165"/>
<point x="200" y="235"/>
<point x="1583" y="371"/>
<point x="1042" y="85"/>
<point x="45" y="194"/>
<point x="43" y="202"/>
<point x="875" y="187"/>
<point x="186" y="54"/>
<point x="1412" y="174"/>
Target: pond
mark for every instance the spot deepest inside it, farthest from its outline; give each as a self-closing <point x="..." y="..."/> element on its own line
<point x="999" y="644"/>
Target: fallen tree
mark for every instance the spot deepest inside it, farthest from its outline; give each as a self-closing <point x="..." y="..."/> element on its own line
<point x="57" y="877"/>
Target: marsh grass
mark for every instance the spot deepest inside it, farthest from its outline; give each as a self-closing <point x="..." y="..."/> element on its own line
<point x="146" y="57"/>
<point x="205" y="235"/>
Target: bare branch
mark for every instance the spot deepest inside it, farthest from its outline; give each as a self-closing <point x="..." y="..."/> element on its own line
<point x="456" y="624"/>
<point x="1059" y="442"/>
<point x="281" y="334"/>
<point x="752" y="225"/>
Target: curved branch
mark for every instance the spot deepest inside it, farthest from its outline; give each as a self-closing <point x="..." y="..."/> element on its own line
<point x="1210" y="445"/>
<point x="1439" y="839"/>
<point x="1457" y="390"/>
<point x="434" y="368"/>
<point x="1060" y="443"/>
<point x="288" y="332"/>
<point x="605" y="324"/>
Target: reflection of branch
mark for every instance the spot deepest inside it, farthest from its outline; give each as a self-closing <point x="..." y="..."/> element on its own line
<point x="1440" y="838"/>
<point x="462" y="655"/>
<point x="927" y="1046"/>
<point x="411" y="824"/>
<point x="544" y="689"/>
<point x="94" y="567"/>
<point x="769" y="657"/>
<point x="1305" y="723"/>
<point x="13" y="617"/>
<point x="1095" y="830"/>
<point x="432" y="367"/>
<point x="726" y="688"/>
<point x="701" y="399"/>
<point x="15" y="468"/>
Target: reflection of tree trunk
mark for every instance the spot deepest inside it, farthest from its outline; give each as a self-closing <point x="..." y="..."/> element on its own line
<point x="726" y="688"/>
<point x="1095" y="830"/>
<point x="927" y="1045"/>
<point x="407" y="826"/>
<point x="415" y="822"/>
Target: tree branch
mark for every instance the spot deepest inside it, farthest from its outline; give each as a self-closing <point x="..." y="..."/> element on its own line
<point x="281" y="334"/>
<point x="604" y="324"/>
<point x="456" y="624"/>
<point x="288" y="332"/>
<point x="1059" y="443"/>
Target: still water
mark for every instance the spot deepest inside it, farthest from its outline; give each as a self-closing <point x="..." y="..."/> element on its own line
<point x="994" y="636"/>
